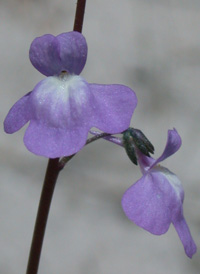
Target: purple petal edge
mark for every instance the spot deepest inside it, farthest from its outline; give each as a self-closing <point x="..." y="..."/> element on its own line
<point x="173" y="144"/>
<point x="143" y="204"/>
<point x="51" y="55"/>
<point x="185" y="237"/>
<point x="18" y="115"/>
<point x="114" y="106"/>
<point x="53" y="142"/>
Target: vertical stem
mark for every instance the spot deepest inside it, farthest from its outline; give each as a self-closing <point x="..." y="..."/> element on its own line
<point x="51" y="176"/>
<point x="80" y="10"/>
<point x="42" y="215"/>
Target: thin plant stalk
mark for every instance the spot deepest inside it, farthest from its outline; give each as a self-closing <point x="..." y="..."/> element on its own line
<point x="42" y="215"/>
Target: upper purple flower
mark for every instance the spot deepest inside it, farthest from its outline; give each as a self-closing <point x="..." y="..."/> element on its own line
<point x="155" y="201"/>
<point x="63" y="107"/>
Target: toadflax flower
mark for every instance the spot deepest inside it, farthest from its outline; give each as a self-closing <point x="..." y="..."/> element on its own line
<point x="63" y="107"/>
<point x="156" y="200"/>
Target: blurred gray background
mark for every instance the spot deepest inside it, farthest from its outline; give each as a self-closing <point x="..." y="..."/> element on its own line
<point x="153" y="47"/>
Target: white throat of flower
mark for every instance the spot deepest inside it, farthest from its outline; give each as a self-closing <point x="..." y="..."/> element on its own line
<point x="172" y="179"/>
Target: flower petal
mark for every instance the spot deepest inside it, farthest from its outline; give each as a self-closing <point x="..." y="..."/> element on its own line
<point x="44" y="55"/>
<point x="73" y="51"/>
<point x="147" y="205"/>
<point x="185" y="236"/>
<point x="155" y="201"/>
<point x="54" y="142"/>
<point x="113" y="106"/>
<point x="18" y="115"/>
<point x="62" y="109"/>
<point x="66" y="52"/>
<point x="173" y="144"/>
<point x="177" y="211"/>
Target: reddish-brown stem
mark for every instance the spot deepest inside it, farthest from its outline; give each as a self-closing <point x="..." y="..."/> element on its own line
<point x="80" y="10"/>
<point x="42" y="215"/>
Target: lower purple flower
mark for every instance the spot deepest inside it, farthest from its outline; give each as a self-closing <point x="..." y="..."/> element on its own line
<point x="155" y="201"/>
<point x="63" y="107"/>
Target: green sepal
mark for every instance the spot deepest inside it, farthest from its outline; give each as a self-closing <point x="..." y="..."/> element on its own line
<point x="134" y="139"/>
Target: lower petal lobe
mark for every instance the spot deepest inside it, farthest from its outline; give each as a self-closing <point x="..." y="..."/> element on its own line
<point x="18" y="115"/>
<point x="144" y="204"/>
<point x="113" y="107"/>
<point x="54" y="142"/>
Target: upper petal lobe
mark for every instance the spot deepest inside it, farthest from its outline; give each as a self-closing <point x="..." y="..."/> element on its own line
<point x="66" y="52"/>
<point x="73" y="51"/>
<point x="173" y="144"/>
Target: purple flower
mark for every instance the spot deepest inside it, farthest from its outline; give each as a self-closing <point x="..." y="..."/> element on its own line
<point x="156" y="200"/>
<point x="63" y="107"/>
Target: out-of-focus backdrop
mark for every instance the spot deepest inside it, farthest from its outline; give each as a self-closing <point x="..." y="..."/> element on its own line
<point x="153" y="47"/>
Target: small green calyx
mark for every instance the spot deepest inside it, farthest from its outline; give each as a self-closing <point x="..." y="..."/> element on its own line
<point x="134" y="139"/>
<point x="129" y="146"/>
